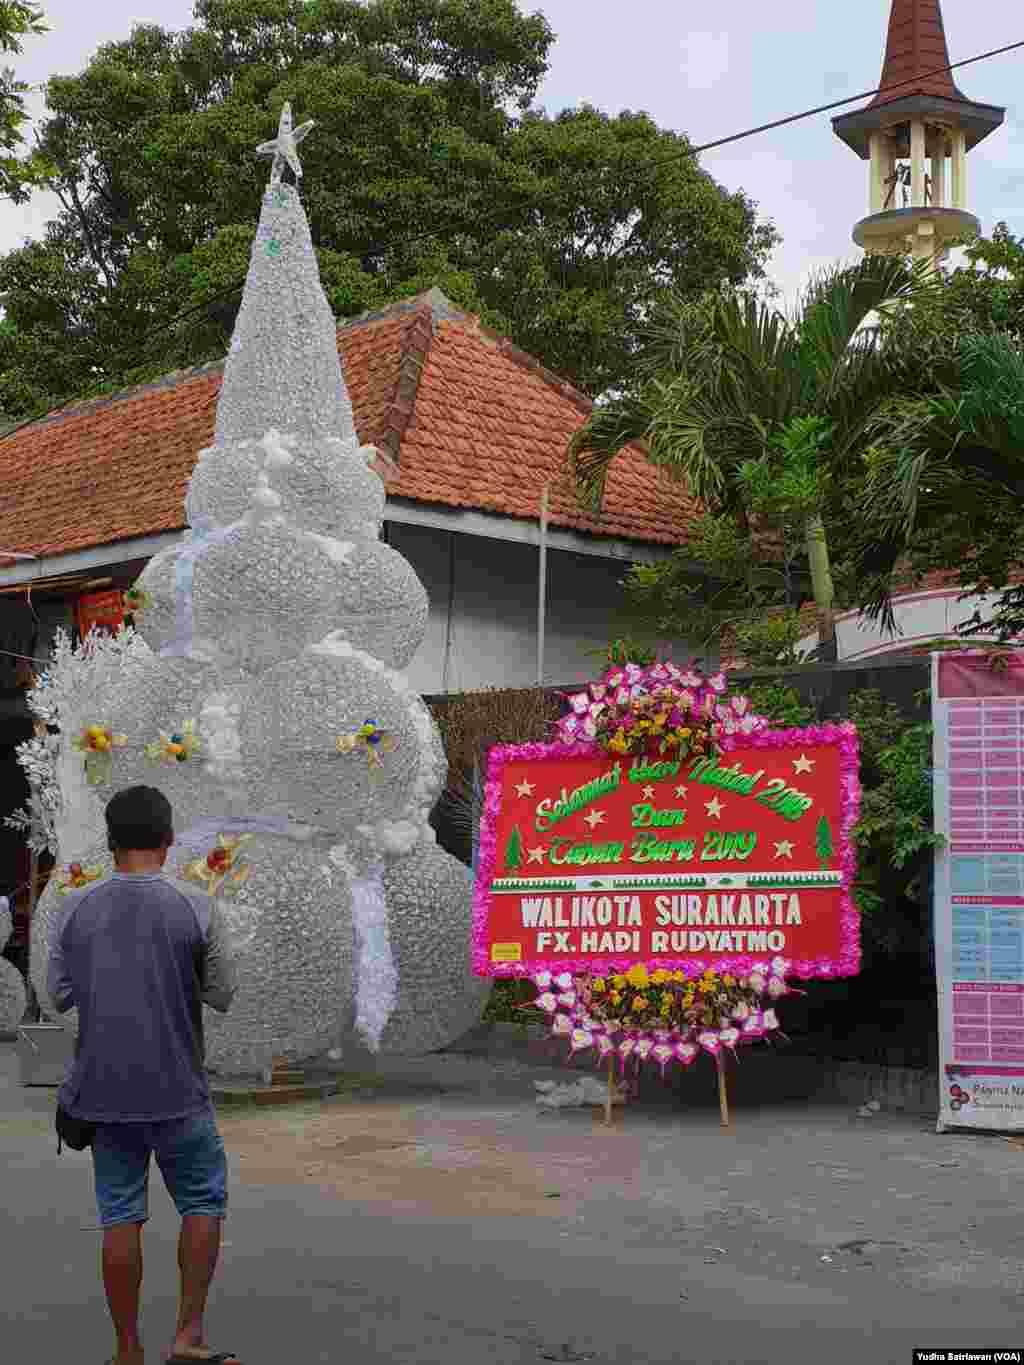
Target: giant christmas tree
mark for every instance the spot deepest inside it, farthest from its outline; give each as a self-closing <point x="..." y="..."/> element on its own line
<point x="264" y="697"/>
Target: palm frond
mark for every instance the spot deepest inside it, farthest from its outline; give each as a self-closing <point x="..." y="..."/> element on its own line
<point x="610" y="428"/>
<point x="838" y="303"/>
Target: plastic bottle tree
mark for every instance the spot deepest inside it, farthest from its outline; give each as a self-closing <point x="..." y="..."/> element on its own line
<point x="268" y="702"/>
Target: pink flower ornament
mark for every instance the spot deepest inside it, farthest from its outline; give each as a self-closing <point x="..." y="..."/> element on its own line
<point x="685" y="1052"/>
<point x="581" y="1040"/>
<point x="776" y="987"/>
<point x="662" y="1054"/>
<point x="580" y="703"/>
<point x="547" y="1002"/>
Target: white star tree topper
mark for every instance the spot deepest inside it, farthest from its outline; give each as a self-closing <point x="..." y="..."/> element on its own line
<point x="284" y="148"/>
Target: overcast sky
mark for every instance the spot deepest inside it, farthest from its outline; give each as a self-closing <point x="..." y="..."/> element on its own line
<point x="761" y="62"/>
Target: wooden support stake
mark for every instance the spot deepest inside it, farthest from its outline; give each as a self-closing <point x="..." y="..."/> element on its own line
<point x="611" y="1090"/>
<point x="723" y="1088"/>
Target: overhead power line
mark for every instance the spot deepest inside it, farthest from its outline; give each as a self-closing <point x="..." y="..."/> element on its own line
<point x="139" y="350"/>
<point x="837" y="104"/>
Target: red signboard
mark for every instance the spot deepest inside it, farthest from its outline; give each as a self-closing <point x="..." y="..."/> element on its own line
<point x="590" y="863"/>
<point x="100" y="611"/>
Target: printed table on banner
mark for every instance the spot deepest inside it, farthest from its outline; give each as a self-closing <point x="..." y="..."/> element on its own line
<point x="979" y="890"/>
<point x="591" y="863"/>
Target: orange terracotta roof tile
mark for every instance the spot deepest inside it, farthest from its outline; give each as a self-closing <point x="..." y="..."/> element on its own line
<point x="461" y="417"/>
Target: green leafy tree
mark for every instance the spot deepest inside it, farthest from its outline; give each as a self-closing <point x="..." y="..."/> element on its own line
<point x="721" y="588"/>
<point x="19" y="173"/>
<point x="764" y="417"/>
<point x="514" y="851"/>
<point x="429" y="166"/>
<point x="943" y="469"/>
<point x="823" y="845"/>
<point x="945" y="479"/>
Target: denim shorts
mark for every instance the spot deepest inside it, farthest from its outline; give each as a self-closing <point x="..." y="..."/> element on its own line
<point x="189" y="1152"/>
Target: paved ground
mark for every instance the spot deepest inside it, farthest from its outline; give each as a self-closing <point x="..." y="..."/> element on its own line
<point x="438" y="1218"/>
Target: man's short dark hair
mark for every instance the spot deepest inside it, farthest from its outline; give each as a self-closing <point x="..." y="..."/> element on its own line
<point x="139" y="818"/>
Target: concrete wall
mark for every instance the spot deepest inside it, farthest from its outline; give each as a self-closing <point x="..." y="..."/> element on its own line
<point x="920" y="617"/>
<point x="483" y="611"/>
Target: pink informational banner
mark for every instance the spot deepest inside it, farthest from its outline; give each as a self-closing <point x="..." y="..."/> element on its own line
<point x="978" y="715"/>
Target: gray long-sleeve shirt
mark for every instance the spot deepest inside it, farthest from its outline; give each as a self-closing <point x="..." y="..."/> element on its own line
<point x="138" y="957"/>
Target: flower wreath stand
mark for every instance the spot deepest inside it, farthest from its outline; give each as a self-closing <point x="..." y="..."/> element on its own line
<point x="671" y="1018"/>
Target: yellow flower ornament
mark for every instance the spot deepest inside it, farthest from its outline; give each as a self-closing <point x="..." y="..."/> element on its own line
<point x="221" y="866"/>
<point x="371" y="740"/>
<point x="75" y="876"/>
<point x="175" y="748"/>
<point x="97" y="743"/>
<point x="137" y="600"/>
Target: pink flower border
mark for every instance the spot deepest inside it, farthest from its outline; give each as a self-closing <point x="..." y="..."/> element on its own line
<point x="842" y="736"/>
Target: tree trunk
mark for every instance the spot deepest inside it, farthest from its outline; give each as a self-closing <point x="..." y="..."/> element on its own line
<point x="821" y="586"/>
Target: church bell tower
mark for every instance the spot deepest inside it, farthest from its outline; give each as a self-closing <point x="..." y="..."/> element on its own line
<point x="915" y="139"/>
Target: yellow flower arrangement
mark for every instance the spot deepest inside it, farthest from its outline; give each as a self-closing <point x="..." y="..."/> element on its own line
<point x="637" y="976"/>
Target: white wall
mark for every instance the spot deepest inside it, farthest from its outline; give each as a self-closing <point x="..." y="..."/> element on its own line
<point x="920" y="617"/>
<point x="483" y="611"/>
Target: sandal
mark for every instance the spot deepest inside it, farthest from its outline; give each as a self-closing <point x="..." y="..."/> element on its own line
<point x="220" y="1358"/>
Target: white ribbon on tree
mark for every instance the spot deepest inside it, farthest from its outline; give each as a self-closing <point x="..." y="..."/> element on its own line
<point x="376" y="973"/>
<point x="204" y="537"/>
<point x="202" y="836"/>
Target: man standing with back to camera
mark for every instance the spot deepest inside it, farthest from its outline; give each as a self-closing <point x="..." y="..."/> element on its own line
<point x="139" y="958"/>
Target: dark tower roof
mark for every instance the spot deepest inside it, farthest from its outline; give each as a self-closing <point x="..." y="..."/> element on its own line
<point x="915" y="46"/>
